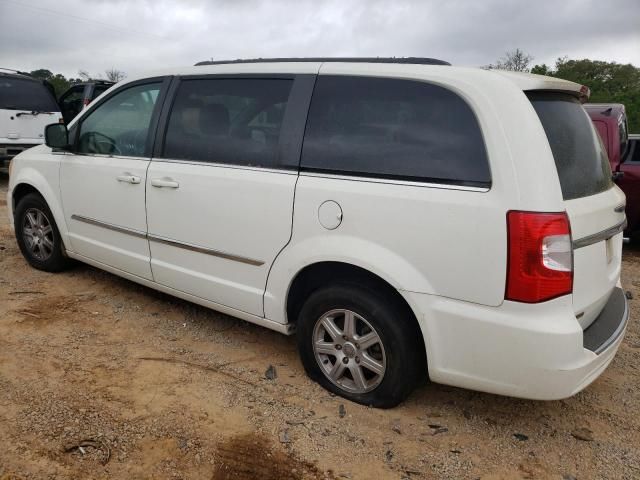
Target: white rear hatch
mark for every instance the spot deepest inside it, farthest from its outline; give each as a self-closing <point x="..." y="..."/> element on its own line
<point x="26" y="107"/>
<point x="594" y="204"/>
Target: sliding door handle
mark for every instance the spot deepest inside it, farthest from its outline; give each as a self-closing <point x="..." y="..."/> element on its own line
<point x="164" y="183"/>
<point x="128" y="178"/>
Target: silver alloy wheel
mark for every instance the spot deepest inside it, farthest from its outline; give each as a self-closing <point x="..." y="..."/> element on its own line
<point x="349" y="351"/>
<point x="37" y="233"/>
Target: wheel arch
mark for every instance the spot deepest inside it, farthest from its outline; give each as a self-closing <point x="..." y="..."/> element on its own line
<point x="30" y="180"/>
<point x="20" y="191"/>
<point x="319" y="274"/>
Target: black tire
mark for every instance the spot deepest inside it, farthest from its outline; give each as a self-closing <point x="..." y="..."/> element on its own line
<point x="401" y="343"/>
<point x="51" y="259"/>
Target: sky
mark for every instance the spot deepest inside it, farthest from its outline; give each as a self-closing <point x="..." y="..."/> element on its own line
<point x="66" y="36"/>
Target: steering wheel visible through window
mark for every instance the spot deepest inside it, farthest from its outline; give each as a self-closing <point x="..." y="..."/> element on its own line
<point x="120" y="125"/>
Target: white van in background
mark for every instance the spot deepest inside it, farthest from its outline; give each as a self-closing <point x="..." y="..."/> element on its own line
<point x="27" y="105"/>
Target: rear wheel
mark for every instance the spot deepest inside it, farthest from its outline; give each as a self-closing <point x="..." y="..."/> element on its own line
<point x="38" y="236"/>
<point x="359" y="345"/>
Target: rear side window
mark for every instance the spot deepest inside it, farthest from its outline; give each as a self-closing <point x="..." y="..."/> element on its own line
<point x="25" y="94"/>
<point x="232" y="121"/>
<point x="390" y="128"/>
<point x="580" y="157"/>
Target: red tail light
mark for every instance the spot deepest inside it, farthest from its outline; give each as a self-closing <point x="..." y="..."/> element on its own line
<point x="540" y="256"/>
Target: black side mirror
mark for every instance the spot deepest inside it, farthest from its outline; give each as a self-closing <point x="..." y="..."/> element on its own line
<point x="615" y="176"/>
<point x="56" y="135"/>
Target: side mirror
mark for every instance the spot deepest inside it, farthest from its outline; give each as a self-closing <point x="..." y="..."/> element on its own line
<point x="56" y="135"/>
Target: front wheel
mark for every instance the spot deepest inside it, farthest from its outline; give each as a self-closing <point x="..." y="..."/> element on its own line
<point x="359" y="344"/>
<point x="38" y="236"/>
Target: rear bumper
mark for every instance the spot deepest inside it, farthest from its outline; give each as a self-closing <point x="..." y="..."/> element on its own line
<point x="529" y="351"/>
<point x="609" y="326"/>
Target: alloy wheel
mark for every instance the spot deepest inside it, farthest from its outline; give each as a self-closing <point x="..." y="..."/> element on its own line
<point x="349" y="351"/>
<point x="38" y="234"/>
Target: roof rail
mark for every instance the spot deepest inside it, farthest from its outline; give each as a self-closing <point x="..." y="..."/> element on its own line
<point x="405" y="60"/>
<point x="16" y="71"/>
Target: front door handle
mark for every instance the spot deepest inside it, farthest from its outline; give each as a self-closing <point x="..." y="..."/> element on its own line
<point x="128" y="178"/>
<point x="164" y="183"/>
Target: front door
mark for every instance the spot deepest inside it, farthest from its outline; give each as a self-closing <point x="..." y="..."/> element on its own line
<point x="220" y="197"/>
<point x="103" y="181"/>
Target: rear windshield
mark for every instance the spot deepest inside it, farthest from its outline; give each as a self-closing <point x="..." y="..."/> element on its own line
<point x="25" y="94"/>
<point x="581" y="160"/>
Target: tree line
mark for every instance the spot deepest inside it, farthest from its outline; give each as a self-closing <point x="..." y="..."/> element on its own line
<point x="61" y="83"/>
<point x="609" y="82"/>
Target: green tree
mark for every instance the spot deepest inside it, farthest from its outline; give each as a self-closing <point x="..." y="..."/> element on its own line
<point x="59" y="82"/>
<point x="42" y="73"/>
<point x="541" y="69"/>
<point x="609" y="82"/>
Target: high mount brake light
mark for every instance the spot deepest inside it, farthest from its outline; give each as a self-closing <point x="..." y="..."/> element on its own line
<point x="540" y="256"/>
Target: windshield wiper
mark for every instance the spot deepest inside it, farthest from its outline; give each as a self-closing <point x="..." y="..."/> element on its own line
<point x="33" y="112"/>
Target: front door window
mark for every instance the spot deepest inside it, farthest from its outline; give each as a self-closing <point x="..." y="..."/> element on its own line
<point x="120" y="126"/>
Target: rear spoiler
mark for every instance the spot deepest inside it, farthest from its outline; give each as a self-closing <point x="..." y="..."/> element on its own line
<point x="532" y="82"/>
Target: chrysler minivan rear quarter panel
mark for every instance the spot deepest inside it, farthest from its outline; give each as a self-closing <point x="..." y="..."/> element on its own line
<point x="419" y="236"/>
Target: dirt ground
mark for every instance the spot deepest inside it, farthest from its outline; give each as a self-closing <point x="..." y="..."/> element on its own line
<point x="102" y="378"/>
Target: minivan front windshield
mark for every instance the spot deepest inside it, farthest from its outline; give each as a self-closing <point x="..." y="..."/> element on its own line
<point x="581" y="159"/>
<point x="25" y="94"/>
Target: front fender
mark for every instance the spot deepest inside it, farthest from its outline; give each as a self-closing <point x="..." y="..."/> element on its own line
<point x="41" y="172"/>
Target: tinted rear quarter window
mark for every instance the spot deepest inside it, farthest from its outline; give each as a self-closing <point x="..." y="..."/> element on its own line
<point x="26" y="94"/>
<point x="580" y="157"/>
<point x="391" y="128"/>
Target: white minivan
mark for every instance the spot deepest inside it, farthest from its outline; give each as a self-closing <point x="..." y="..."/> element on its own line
<point x="404" y="217"/>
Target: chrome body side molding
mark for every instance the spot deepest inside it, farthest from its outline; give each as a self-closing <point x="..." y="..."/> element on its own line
<point x="167" y="241"/>
<point x="109" y="226"/>
<point x="207" y="251"/>
<point x="600" y="236"/>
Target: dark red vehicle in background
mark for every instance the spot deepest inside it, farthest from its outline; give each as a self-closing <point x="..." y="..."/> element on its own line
<point x="610" y="120"/>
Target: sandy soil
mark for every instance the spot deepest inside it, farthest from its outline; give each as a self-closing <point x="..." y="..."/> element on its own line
<point x="153" y="387"/>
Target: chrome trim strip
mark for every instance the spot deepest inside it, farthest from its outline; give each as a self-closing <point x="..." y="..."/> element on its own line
<point x="618" y="331"/>
<point x="225" y="165"/>
<point x="600" y="236"/>
<point x="207" y="251"/>
<point x="109" y="226"/>
<point x="442" y="186"/>
<point x="168" y="241"/>
<point x="106" y="155"/>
